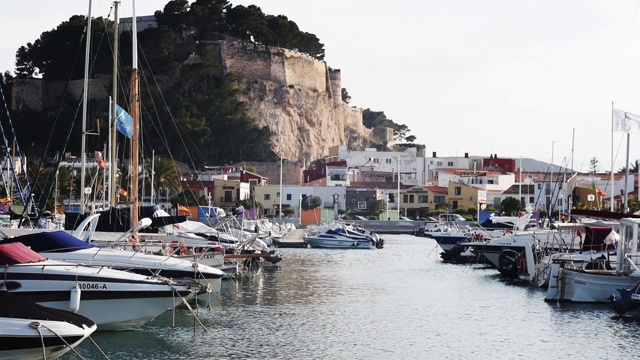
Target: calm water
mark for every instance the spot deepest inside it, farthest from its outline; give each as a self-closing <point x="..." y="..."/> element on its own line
<point x="400" y="302"/>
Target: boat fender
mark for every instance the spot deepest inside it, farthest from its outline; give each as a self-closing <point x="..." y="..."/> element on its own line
<point x="521" y="266"/>
<point x="74" y="300"/>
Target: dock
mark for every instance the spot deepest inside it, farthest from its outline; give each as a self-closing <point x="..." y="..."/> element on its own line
<point x="292" y="240"/>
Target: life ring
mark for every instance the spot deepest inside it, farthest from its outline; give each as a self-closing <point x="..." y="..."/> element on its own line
<point x="183" y="249"/>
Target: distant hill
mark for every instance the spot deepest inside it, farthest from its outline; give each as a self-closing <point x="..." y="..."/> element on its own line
<point x="539" y="166"/>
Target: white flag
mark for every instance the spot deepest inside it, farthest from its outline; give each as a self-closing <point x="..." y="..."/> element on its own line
<point x="625" y="121"/>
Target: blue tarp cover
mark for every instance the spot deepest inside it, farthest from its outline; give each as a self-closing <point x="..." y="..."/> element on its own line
<point x="49" y="241"/>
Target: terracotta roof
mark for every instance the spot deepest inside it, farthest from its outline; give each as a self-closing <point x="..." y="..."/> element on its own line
<point x="437" y="189"/>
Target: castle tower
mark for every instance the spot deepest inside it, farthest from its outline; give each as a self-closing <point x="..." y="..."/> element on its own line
<point x="335" y="85"/>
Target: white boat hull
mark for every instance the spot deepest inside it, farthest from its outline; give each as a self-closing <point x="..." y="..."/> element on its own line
<point x="114" y="300"/>
<point x="20" y="340"/>
<point x="316" y="242"/>
<point x="586" y="286"/>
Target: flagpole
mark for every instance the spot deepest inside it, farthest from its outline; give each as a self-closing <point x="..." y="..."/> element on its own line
<point x="612" y="184"/>
<point x="626" y="177"/>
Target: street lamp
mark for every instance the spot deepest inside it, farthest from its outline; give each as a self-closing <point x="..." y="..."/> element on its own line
<point x="280" y="206"/>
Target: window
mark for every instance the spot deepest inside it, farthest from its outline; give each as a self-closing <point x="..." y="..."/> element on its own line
<point x="539" y="186"/>
<point x="405" y="198"/>
<point x="354" y="200"/>
<point x="439" y="163"/>
<point x="438" y="199"/>
<point x="450" y="163"/>
<point x="422" y="199"/>
<point x="530" y="199"/>
<point x="288" y="196"/>
<point x="388" y="161"/>
<point x="411" y="199"/>
<point x="454" y="204"/>
<point x="489" y="181"/>
<point x="267" y="196"/>
<point x="458" y="190"/>
<point x="362" y="205"/>
<point x="376" y="161"/>
<point x="278" y="194"/>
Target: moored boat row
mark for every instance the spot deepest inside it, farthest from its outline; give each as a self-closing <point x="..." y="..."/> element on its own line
<point x="590" y="261"/>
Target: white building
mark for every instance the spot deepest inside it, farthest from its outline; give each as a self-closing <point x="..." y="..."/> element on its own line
<point x="380" y="161"/>
<point x="482" y="179"/>
<point x="430" y="167"/>
<point x="337" y="176"/>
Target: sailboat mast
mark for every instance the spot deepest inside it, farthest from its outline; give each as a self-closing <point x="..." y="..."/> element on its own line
<point x="113" y="192"/>
<point x="135" y="123"/>
<point x="83" y="155"/>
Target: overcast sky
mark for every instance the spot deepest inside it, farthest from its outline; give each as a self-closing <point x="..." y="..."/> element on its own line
<point x="512" y="78"/>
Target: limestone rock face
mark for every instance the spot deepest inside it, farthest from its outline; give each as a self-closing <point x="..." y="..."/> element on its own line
<point x="304" y="123"/>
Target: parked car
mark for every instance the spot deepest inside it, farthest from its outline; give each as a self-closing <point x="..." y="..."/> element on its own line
<point x="451" y="218"/>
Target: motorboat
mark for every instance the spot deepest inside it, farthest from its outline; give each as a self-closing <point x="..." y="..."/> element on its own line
<point x="550" y="239"/>
<point x="113" y="299"/>
<point x="59" y="245"/>
<point x="32" y="331"/>
<point x="598" y="279"/>
<point x="341" y="236"/>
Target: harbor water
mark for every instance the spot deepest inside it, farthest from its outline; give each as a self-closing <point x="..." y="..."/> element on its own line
<point x="400" y="302"/>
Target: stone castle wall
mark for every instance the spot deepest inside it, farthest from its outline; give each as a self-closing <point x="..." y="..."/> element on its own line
<point x="37" y="94"/>
<point x="277" y="65"/>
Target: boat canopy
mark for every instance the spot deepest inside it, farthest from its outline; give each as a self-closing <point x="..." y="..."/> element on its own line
<point x="18" y="253"/>
<point x="50" y="241"/>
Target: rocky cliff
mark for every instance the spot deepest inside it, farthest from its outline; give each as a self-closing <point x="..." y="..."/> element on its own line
<point x="299" y="98"/>
<point x="304" y="123"/>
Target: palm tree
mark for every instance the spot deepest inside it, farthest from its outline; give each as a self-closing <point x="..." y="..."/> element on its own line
<point x="633" y="169"/>
<point x="165" y="176"/>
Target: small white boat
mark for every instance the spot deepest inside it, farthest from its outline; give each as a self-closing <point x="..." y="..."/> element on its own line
<point x="32" y="331"/>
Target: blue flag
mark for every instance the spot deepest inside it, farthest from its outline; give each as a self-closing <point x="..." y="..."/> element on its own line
<point x="123" y="122"/>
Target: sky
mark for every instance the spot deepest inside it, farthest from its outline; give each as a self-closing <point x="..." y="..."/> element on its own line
<point x="529" y="78"/>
